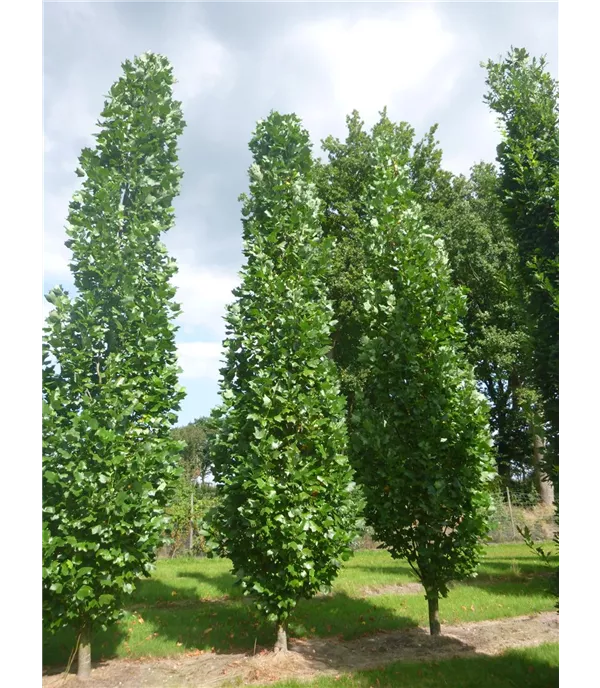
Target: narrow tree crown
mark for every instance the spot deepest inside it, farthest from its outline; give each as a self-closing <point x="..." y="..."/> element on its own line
<point x="423" y="446"/>
<point x="110" y="372"/>
<point x="287" y="516"/>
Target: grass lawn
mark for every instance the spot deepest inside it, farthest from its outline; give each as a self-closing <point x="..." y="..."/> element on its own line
<point x="191" y="604"/>
<point x="533" y="667"/>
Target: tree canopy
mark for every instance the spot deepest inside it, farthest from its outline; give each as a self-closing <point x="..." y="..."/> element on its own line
<point x="110" y="391"/>
<point x="286" y="518"/>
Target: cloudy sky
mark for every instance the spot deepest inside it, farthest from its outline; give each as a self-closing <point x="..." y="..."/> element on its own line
<point x="234" y="63"/>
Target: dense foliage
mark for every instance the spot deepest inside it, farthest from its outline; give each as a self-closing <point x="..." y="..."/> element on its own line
<point x="195" y="437"/>
<point x="525" y="97"/>
<point x="344" y="184"/>
<point x="287" y="515"/>
<point x="110" y="389"/>
<point x="422" y="449"/>
<point x="467" y="213"/>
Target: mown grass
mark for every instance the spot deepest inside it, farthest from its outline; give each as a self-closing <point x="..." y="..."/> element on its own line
<point x="534" y="667"/>
<point x="192" y="604"/>
<point x="211" y="579"/>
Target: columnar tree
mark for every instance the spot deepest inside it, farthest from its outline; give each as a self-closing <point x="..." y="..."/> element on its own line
<point x="287" y="516"/>
<point x="423" y="445"/>
<point x="344" y="184"/>
<point x="525" y="96"/>
<point x="110" y="389"/>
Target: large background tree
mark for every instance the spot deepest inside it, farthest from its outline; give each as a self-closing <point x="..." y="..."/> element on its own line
<point x="467" y="213"/>
<point x="195" y="437"/>
<point x="110" y="387"/>
<point x="525" y="97"/>
<point x="194" y="494"/>
<point x="287" y="517"/>
<point x="420" y="426"/>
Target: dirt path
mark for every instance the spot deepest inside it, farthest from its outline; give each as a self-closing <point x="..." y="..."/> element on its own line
<point x="320" y="656"/>
<point x="394" y="589"/>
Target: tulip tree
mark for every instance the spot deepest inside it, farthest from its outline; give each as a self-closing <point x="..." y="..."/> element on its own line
<point x="423" y="446"/>
<point x="343" y="184"/>
<point x="287" y="516"/>
<point x="110" y="388"/>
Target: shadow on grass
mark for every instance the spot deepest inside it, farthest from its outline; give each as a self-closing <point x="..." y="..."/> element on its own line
<point x="224" y="582"/>
<point x="525" y="668"/>
<point x="57" y="647"/>
<point x="498" y="576"/>
<point x="236" y="626"/>
<point x="153" y="592"/>
<point x="226" y="626"/>
<point x="183" y="622"/>
<point x="388" y="569"/>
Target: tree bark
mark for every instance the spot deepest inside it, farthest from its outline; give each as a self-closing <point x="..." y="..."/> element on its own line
<point x="434" y="616"/>
<point x="281" y="644"/>
<point x="502" y="448"/>
<point x="542" y="482"/>
<point x="84" y="656"/>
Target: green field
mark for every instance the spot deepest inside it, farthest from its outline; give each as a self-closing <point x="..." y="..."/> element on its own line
<point x="191" y="604"/>
<point x="532" y="667"/>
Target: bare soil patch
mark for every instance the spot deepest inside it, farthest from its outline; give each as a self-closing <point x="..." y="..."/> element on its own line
<point x="319" y="656"/>
<point x="399" y="589"/>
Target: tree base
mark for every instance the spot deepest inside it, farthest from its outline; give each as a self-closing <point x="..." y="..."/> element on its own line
<point x="281" y="643"/>
<point x="434" y="616"/>
<point x="84" y="655"/>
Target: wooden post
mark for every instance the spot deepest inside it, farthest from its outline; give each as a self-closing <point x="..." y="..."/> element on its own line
<point x="192" y="520"/>
<point x="512" y="520"/>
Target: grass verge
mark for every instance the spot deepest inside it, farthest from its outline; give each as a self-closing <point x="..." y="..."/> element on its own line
<point x="534" y="667"/>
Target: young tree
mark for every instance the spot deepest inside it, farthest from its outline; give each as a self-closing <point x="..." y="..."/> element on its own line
<point x="344" y="184"/>
<point x="110" y="372"/>
<point x="287" y="516"/>
<point x="525" y="96"/>
<point x="423" y="446"/>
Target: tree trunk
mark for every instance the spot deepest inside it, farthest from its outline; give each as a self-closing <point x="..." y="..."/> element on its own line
<point x="502" y="449"/>
<point x="434" y="616"/>
<point x="281" y="644"/>
<point x="84" y="656"/>
<point x="542" y="482"/>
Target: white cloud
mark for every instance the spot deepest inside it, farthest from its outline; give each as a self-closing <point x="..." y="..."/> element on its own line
<point x="72" y="103"/>
<point x="203" y="294"/>
<point x="201" y="64"/>
<point x="481" y="126"/>
<point x="200" y="359"/>
<point x="56" y="254"/>
<point x="371" y="62"/>
<point x="372" y="59"/>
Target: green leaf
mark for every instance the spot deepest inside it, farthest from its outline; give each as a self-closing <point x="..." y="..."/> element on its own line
<point x="109" y="371"/>
<point x="84" y="592"/>
<point x="278" y="388"/>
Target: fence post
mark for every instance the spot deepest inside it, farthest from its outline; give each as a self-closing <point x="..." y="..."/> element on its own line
<point x="192" y="520"/>
<point x="512" y="520"/>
